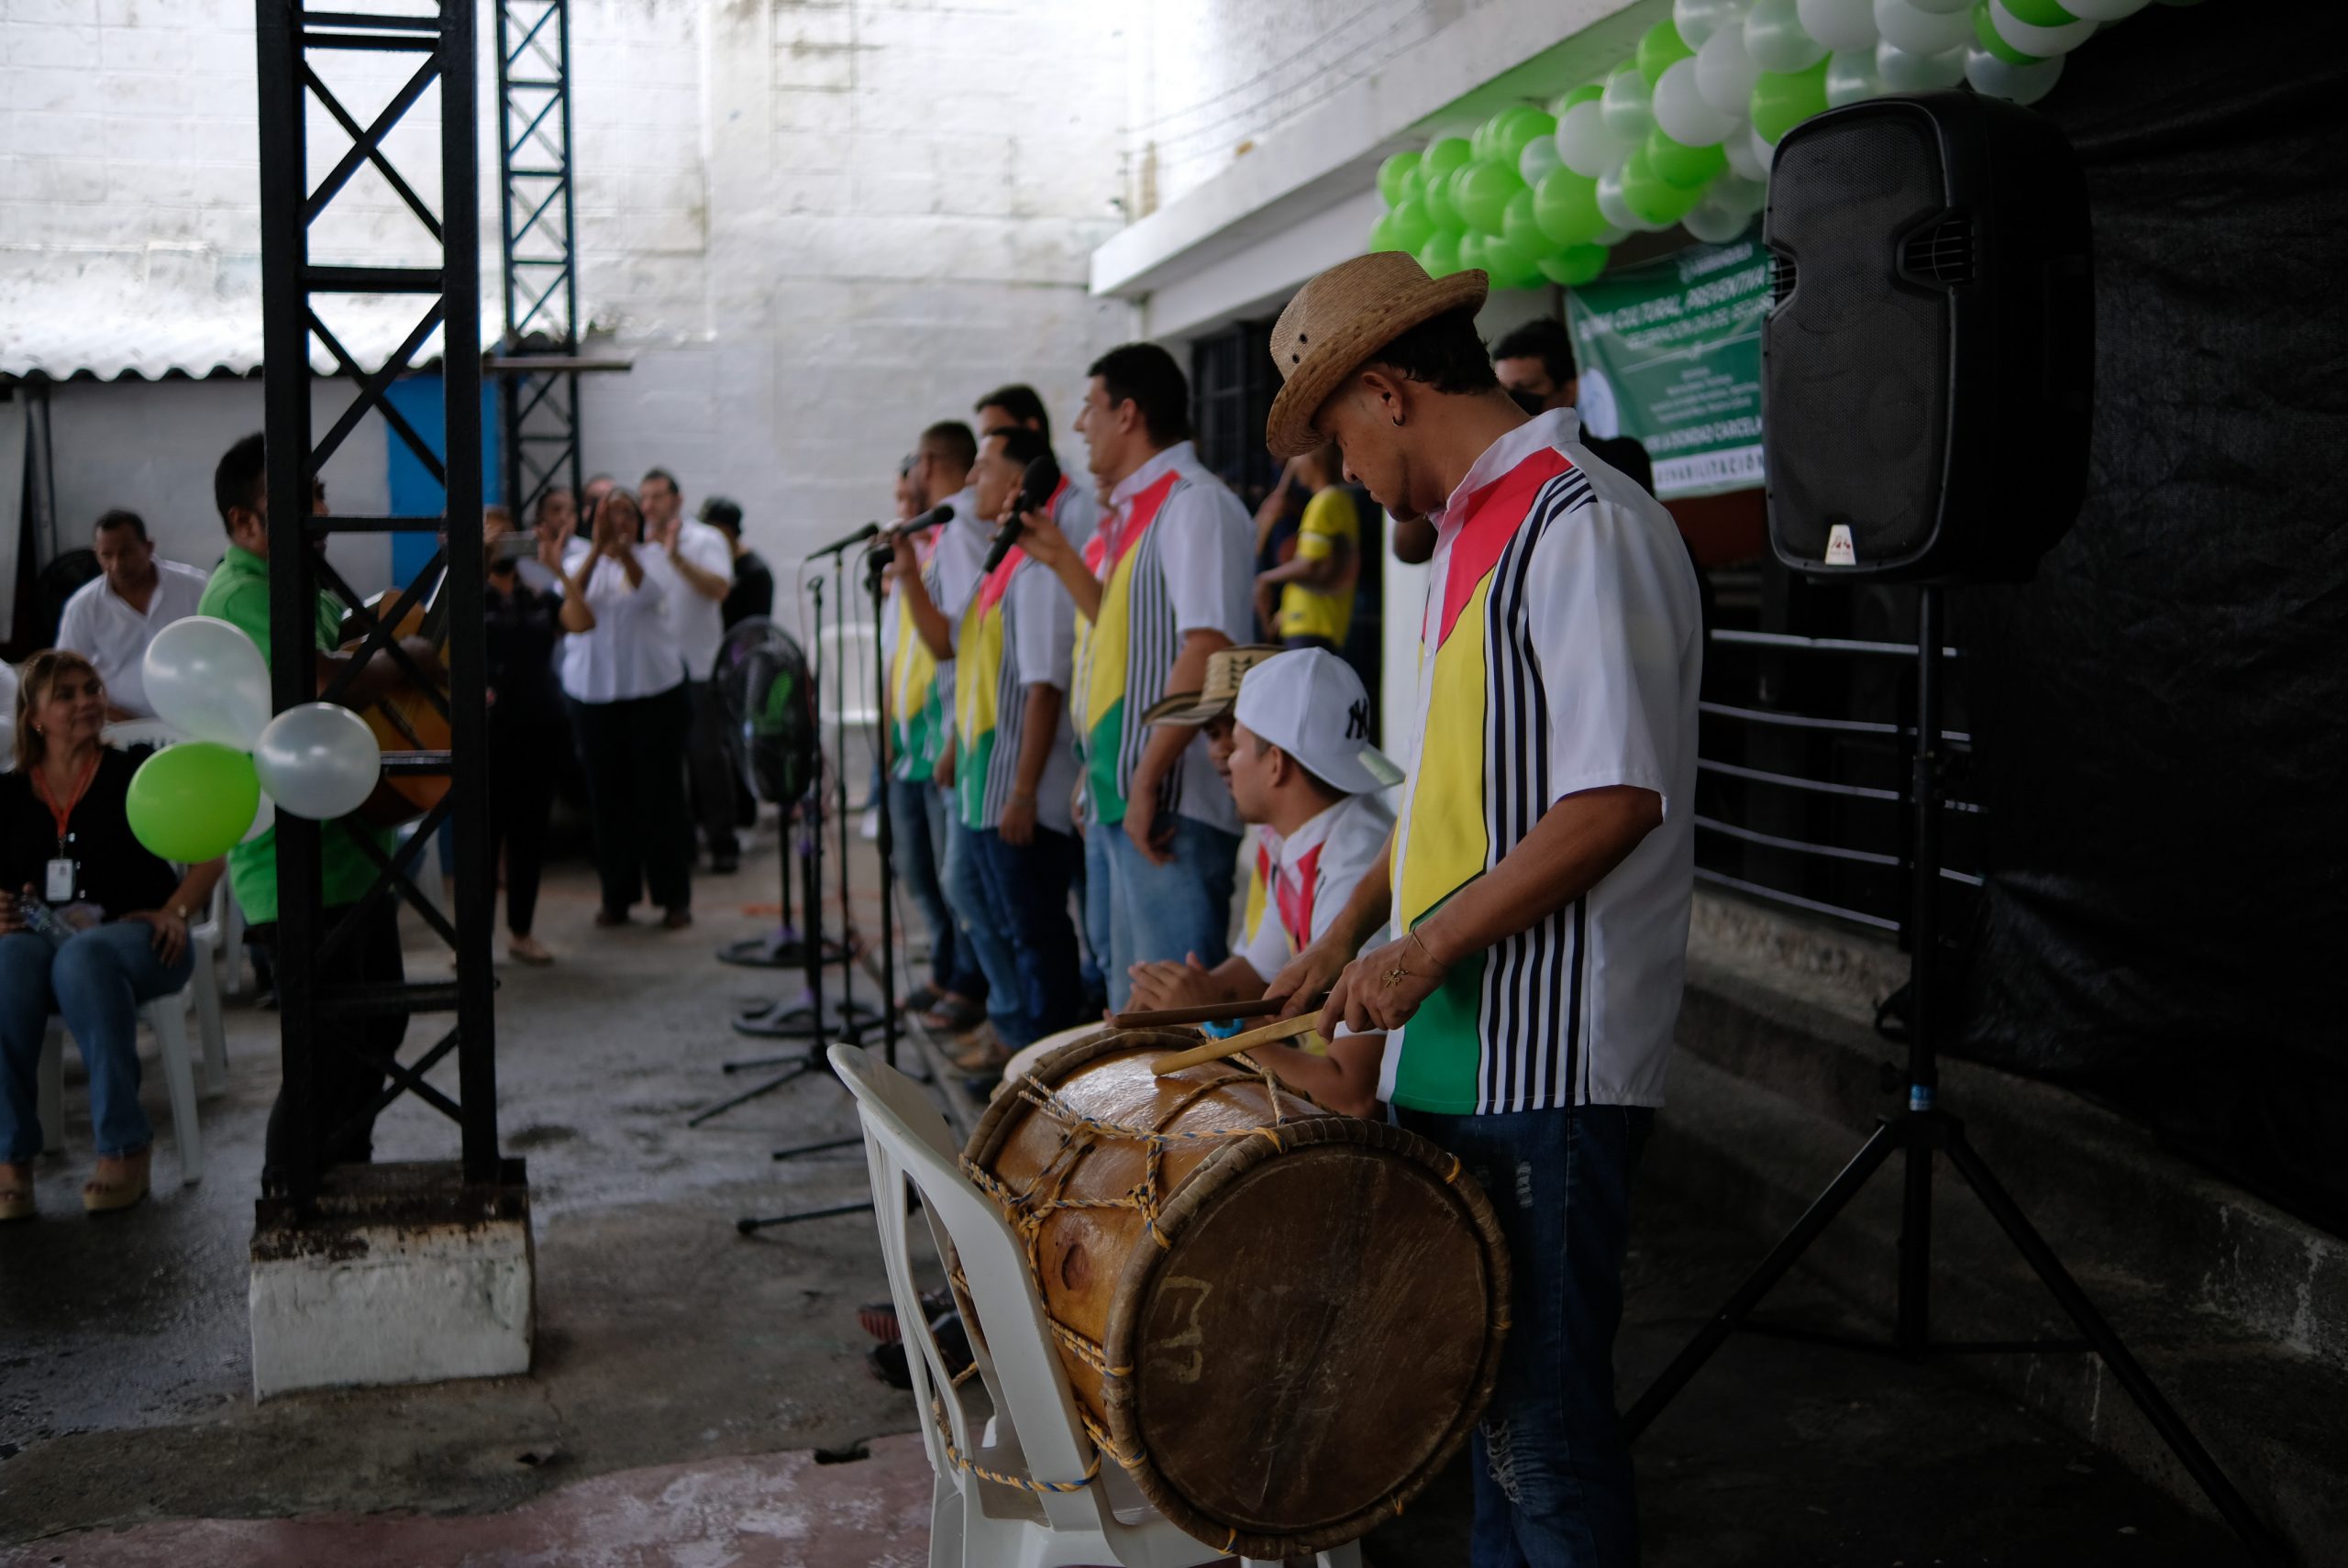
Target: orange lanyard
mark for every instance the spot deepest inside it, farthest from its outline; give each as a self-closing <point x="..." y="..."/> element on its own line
<point x="64" y="815"/>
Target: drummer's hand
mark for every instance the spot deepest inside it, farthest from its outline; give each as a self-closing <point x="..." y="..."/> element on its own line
<point x="1307" y="976"/>
<point x="1165" y="984"/>
<point x="1382" y="988"/>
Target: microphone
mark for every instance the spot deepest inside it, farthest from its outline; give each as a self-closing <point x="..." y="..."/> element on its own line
<point x="836" y="546"/>
<point x="1035" y="487"/>
<point x="937" y="517"/>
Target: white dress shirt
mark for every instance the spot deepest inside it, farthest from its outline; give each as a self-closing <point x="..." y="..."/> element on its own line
<point x="631" y="652"/>
<point x="696" y="622"/>
<point x="113" y="634"/>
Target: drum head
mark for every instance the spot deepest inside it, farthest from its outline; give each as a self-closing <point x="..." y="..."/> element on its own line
<point x="1316" y="1340"/>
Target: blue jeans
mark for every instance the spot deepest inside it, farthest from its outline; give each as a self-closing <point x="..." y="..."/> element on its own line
<point x="1553" y="1472"/>
<point x="987" y="942"/>
<point x="1165" y="913"/>
<point x="917" y="853"/>
<point x="1101" y="912"/>
<point x="1026" y="888"/>
<point x="96" y="981"/>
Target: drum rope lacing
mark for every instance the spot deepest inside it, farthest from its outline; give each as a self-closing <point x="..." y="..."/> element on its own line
<point x="1027" y="1212"/>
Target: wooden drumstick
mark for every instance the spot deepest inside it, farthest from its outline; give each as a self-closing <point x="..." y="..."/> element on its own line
<point x="1217" y="1050"/>
<point x="1207" y="1012"/>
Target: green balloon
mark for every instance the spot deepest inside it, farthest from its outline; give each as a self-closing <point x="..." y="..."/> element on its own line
<point x="1783" y="100"/>
<point x="1481" y="192"/>
<point x="1565" y="207"/>
<point x="1471" y="250"/>
<point x="1588" y="93"/>
<point x="2039" y="12"/>
<point x="1511" y="265"/>
<point x="1381" y="234"/>
<point x="1440" y="254"/>
<point x="1574" y="265"/>
<point x="1410" y="226"/>
<point x="1680" y="163"/>
<point x="1659" y="49"/>
<point x="1515" y="129"/>
<point x="193" y="802"/>
<point x="1651" y="196"/>
<point x="1985" y="32"/>
<point x="1412" y="187"/>
<point x="1443" y="155"/>
<point x="1392" y="174"/>
<point x="1520" y="226"/>
<point x="1436" y="198"/>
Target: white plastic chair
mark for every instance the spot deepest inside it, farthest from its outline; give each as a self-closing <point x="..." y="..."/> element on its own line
<point x="167" y="1016"/>
<point x="1035" y="1435"/>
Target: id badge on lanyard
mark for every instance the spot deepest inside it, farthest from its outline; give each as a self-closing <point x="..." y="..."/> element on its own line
<point x="59" y="886"/>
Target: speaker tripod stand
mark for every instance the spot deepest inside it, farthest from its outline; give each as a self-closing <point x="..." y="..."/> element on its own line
<point x="1924" y="1129"/>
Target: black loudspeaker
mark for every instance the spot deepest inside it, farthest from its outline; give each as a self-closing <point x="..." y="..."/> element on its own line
<point x="1928" y="359"/>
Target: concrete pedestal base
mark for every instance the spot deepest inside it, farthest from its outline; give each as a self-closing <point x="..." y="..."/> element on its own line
<point x="395" y="1274"/>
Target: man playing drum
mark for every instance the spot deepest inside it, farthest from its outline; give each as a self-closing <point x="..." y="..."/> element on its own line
<point x="1291" y="732"/>
<point x="1542" y="857"/>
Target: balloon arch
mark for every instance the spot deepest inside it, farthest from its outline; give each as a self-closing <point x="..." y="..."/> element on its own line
<point x="1681" y="132"/>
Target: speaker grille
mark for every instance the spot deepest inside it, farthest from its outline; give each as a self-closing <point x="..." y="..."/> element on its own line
<point x="1941" y="252"/>
<point x="1782" y="273"/>
<point x="1856" y="378"/>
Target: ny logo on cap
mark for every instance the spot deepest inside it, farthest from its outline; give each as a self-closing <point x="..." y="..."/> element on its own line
<point x="1358" y="720"/>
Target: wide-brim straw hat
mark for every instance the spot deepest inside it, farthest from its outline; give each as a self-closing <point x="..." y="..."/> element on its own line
<point x="1342" y="317"/>
<point x="1219" y="690"/>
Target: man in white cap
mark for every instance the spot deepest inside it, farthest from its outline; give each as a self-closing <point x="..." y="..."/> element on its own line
<point x="1543" y="858"/>
<point x="1295" y="745"/>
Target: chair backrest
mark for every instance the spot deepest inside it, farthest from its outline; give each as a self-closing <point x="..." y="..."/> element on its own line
<point x="907" y="1141"/>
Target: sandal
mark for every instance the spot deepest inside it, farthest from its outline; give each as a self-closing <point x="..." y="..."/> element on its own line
<point x="101" y="1195"/>
<point x="16" y="1192"/>
<point x="528" y="950"/>
<point x="677" y="918"/>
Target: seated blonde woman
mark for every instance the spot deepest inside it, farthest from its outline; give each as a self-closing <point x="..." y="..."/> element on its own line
<point x="65" y="840"/>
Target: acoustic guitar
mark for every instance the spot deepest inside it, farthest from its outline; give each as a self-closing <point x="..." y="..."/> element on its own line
<point x="406" y="720"/>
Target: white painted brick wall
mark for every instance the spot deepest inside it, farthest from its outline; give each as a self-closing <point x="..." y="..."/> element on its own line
<point x="816" y="225"/>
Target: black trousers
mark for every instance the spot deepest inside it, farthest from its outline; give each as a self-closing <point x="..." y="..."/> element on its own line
<point x="635" y="796"/>
<point x="526" y="753"/>
<point x="709" y="764"/>
<point x="343" y="1084"/>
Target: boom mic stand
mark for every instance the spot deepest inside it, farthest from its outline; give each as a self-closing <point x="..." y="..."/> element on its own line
<point x="751" y="1225"/>
<point x="1920" y="1130"/>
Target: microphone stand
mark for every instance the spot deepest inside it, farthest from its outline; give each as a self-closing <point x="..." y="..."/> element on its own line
<point x="751" y="1224"/>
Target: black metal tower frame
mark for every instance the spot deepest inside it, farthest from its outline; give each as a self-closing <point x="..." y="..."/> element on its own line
<point x="316" y="1017"/>
<point x="538" y="415"/>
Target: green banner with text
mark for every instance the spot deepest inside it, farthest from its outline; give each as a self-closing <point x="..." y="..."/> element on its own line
<point x="1670" y="354"/>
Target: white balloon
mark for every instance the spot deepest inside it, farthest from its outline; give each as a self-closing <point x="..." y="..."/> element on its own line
<point x="1840" y="25"/>
<point x="1725" y="73"/>
<point x="1852" y="77"/>
<point x="1699" y="19"/>
<point x="206" y="679"/>
<point x="1628" y="105"/>
<point x="1714" y="224"/>
<point x="2104" y="10"/>
<point x="1995" y="78"/>
<point x="1610" y="201"/>
<point x="2044" y="42"/>
<point x="1585" y="145"/>
<point x="1680" y="109"/>
<point x="1905" y="72"/>
<point x="264" y="819"/>
<point x="1904" y="26"/>
<point x="1748" y="157"/>
<point x="1775" y="38"/>
<point x="1540" y="155"/>
<point x="318" y="760"/>
<point x="1733" y="192"/>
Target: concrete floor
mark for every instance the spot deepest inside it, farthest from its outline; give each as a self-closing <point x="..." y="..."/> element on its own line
<point x="691" y="1383"/>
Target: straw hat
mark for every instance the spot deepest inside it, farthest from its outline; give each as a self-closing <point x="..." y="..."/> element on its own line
<point x="1342" y="317"/>
<point x="1226" y="667"/>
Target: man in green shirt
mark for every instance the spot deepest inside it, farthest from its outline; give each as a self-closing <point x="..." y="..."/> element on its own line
<point x="343" y="1084"/>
